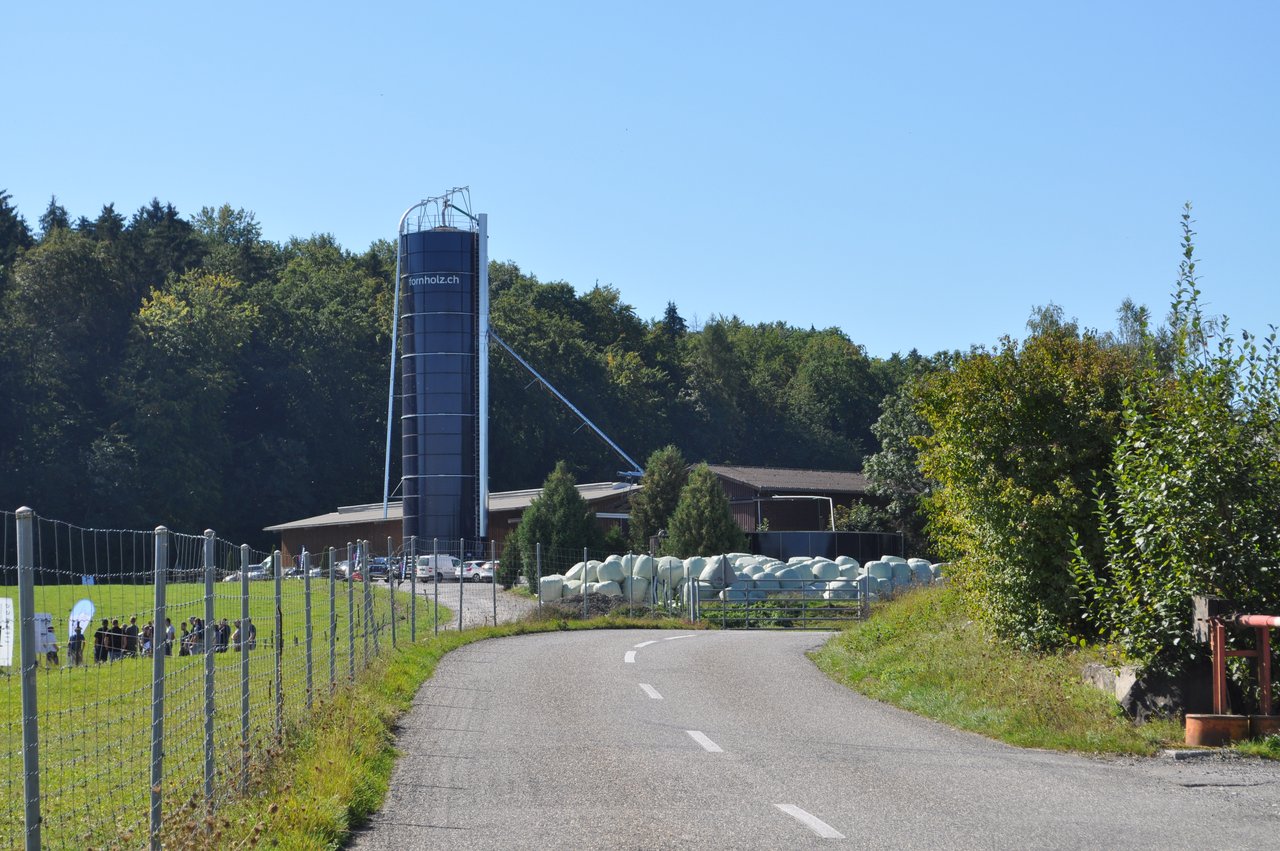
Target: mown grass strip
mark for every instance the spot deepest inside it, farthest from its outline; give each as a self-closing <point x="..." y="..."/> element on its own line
<point x="922" y="653"/>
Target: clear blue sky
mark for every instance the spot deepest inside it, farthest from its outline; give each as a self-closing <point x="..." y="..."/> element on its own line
<point x="917" y="174"/>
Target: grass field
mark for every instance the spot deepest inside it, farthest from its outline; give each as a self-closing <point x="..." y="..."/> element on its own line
<point x="96" y="721"/>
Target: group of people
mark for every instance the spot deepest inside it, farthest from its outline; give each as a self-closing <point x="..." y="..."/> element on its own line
<point x="111" y="641"/>
<point x="224" y="636"/>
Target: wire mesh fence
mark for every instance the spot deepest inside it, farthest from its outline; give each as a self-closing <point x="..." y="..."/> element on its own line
<point x="146" y="676"/>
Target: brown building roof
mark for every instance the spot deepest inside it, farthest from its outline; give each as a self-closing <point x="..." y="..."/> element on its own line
<point x="503" y="501"/>
<point x="785" y="480"/>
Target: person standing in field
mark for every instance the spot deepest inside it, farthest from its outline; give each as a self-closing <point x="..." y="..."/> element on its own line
<point x="75" y="647"/>
<point x="169" y="636"/>
<point x="131" y="637"/>
<point x="100" y="640"/>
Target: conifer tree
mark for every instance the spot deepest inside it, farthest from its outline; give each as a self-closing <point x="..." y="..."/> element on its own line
<point x="652" y="506"/>
<point x="703" y="523"/>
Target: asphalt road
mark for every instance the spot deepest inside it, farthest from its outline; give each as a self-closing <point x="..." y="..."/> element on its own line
<point x="658" y="739"/>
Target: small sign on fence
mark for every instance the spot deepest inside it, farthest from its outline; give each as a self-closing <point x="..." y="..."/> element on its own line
<point x="45" y="641"/>
<point x="6" y="632"/>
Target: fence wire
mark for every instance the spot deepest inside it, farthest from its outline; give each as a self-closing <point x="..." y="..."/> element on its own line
<point x="148" y="677"/>
<point x="161" y="671"/>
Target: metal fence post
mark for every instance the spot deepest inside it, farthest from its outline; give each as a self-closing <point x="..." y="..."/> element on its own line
<point x="366" y="601"/>
<point x="352" y="566"/>
<point x="462" y="551"/>
<point x="245" y="630"/>
<point x="584" y="583"/>
<point x="207" y="631"/>
<point x="158" y="651"/>
<point x="279" y="648"/>
<point x="391" y="587"/>
<point x="411" y="565"/>
<point x="306" y="608"/>
<point x="435" y="576"/>
<point x="493" y="577"/>
<point x="333" y="626"/>
<point x="30" y="718"/>
<point x="537" y="548"/>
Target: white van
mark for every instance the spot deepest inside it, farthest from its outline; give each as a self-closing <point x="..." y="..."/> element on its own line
<point x="445" y="565"/>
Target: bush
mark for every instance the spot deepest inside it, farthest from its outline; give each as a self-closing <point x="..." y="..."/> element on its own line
<point x="1189" y="504"/>
<point x="1019" y="436"/>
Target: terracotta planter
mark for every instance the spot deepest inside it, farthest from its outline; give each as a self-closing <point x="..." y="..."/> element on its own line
<point x="1216" y="730"/>
<point x="1263" y="725"/>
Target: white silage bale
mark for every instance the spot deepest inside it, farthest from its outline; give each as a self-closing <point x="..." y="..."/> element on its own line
<point x="920" y="573"/>
<point x="901" y="573"/>
<point x="754" y="570"/>
<point x="610" y="571"/>
<point x="669" y="567"/>
<point x="643" y="568"/>
<point x="845" y="560"/>
<point x="851" y="571"/>
<point x="884" y="588"/>
<point x="767" y="582"/>
<point x="796" y="560"/>
<point x="572" y="587"/>
<point x="734" y="595"/>
<point x="593" y="571"/>
<point x="635" y="589"/>
<point x="880" y="569"/>
<point x="917" y="561"/>
<point x="574" y="574"/>
<point x="608" y="589"/>
<point x="826" y="570"/>
<point x="841" y="589"/>
<point x="551" y="587"/>
<point x="694" y="566"/>
<point x="718" y="573"/>
<point x="803" y="569"/>
<point x="894" y="559"/>
<point x="937" y="569"/>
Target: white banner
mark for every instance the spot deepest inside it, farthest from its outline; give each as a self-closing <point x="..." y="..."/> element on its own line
<point x="45" y="641"/>
<point x="81" y="616"/>
<point x="6" y="632"/>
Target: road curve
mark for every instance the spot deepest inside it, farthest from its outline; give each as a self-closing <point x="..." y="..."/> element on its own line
<point x="735" y="740"/>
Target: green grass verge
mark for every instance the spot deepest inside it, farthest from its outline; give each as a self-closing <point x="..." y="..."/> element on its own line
<point x="922" y="653"/>
<point x="335" y="771"/>
<point x="95" y="720"/>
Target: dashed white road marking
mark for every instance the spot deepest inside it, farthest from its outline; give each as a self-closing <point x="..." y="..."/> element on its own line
<point x="811" y="821"/>
<point x="678" y="637"/>
<point x="707" y="745"/>
<point x="630" y="657"/>
<point x="644" y="644"/>
<point x="651" y="691"/>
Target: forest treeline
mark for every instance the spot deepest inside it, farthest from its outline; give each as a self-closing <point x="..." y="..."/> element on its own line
<point x="162" y="369"/>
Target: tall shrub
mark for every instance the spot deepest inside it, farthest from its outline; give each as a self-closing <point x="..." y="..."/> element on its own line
<point x="1019" y="436"/>
<point x="1192" y="503"/>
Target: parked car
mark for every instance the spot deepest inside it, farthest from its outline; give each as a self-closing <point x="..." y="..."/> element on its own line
<point x="378" y="567"/>
<point x="446" y="566"/>
<point x="478" y="571"/>
<point x="294" y="573"/>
